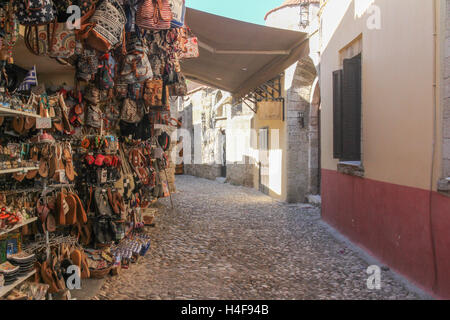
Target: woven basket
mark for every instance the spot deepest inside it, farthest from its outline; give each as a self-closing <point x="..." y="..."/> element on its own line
<point x="100" y="273"/>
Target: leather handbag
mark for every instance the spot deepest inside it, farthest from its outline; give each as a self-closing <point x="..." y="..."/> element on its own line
<point x="154" y="15"/>
<point x="132" y="111"/>
<point x="35" y="12"/>
<point x="190" y="49"/>
<point x="105" y="29"/>
<point x="178" y="8"/>
<point x="53" y="40"/>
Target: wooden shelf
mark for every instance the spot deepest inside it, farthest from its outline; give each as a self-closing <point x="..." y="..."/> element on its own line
<point x="4" y="290"/>
<point x="19" y="225"/>
<point x="6" y="112"/>
<point x="23" y="169"/>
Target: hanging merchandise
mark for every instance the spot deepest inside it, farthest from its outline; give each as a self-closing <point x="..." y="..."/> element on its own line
<point x="130" y="8"/>
<point x="154" y="15"/>
<point x="81" y="167"/>
<point x="105" y="29"/>
<point x="105" y="72"/>
<point x="178" y="8"/>
<point x="190" y="49"/>
<point x="35" y="12"/>
<point x="132" y="111"/>
<point x="179" y="88"/>
<point x="87" y="64"/>
<point x="153" y="93"/>
<point x="9" y="32"/>
<point x="54" y="40"/>
<point x="136" y="66"/>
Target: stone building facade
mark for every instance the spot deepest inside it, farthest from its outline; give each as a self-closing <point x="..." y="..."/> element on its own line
<point x="226" y="136"/>
<point x="302" y="101"/>
<point x="212" y="130"/>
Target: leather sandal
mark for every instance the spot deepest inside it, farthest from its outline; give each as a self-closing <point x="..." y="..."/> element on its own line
<point x="71" y="216"/>
<point x="61" y="207"/>
<point x="81" y="215"/>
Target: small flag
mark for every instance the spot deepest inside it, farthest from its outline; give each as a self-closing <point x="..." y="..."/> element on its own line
<point x="30" y="80"/>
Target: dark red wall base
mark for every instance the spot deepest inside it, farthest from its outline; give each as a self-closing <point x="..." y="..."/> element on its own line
<point x="392" y="222"/>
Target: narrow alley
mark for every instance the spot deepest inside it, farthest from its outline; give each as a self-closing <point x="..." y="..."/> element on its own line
<point x="229" y="242"/>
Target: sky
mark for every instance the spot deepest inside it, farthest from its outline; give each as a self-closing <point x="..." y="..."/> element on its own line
<point x="246" y="10"/>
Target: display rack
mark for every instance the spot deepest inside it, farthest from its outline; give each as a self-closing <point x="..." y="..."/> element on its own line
<point x="19" y="225"/>
<point x="4" y="290"/>
<point x="23" y="170"/>
<point x="7" y="112"/>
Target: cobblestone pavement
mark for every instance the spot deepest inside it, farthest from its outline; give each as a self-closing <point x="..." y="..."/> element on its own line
<point x="228" y="242"/>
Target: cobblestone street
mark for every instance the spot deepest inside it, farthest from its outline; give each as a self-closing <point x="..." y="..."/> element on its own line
<point x="228" y="242"/>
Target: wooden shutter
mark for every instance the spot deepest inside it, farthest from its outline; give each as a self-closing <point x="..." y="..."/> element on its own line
<point x="351" y="110"/>
<point x="337" y="114"/>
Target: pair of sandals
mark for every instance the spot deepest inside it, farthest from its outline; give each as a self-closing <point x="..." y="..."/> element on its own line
<point x="142" y="169"/>
<point x="22" y="125"/>
<point x="53" y="270"/>
<point x="60" y="121"/>
<point x="70" y="209"/>
<point x="56" y="159"/>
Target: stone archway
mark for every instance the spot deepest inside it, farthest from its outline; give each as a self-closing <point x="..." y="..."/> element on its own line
<point x="302" y="123"/>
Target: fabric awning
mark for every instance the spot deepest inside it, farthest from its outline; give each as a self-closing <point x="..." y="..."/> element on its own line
<point x="237" y="56"/>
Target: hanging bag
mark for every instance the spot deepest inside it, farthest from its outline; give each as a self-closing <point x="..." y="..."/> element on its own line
<point x="87" y="65"/>
<point x="179" y="89"/>
<point x="131" y="112"/>
<point x="153" y="93"/>
<point x="190" y="49"/>
<point x="53" y="40"/>
<point x="136" y="66"/>
<point x="154" y="15"/>
<point x="178" y="8"/>
<point x="35" y="12"/>
<point x="105" y="29"/>
<point x="105" y="73"/>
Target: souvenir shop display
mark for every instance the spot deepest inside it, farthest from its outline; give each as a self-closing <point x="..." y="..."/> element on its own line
<point x="82" y="166"/>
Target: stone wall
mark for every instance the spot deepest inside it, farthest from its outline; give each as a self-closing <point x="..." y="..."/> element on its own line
<point x="302" y="117"/>
<point x="206" y="171"/>
<point x="241" y="174"/>
<point x="302" y="134"/>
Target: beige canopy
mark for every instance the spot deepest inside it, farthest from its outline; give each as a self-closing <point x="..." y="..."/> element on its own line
<point x="237" y="56"/>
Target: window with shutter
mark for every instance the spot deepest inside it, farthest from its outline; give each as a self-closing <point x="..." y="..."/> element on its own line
<point x="347" y="111"/>
<point x="351" y="110"/>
